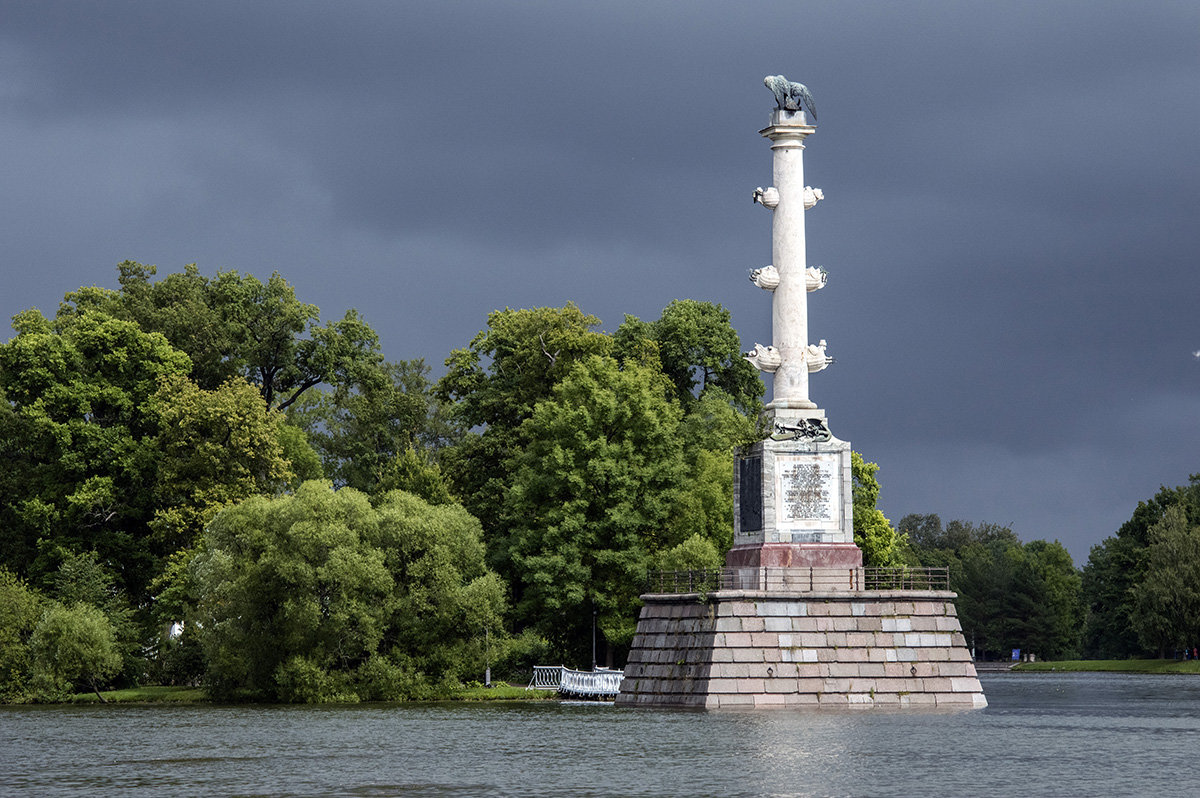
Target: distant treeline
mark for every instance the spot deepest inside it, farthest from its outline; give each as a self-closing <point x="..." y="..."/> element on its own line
<point x="1138" y="594"/>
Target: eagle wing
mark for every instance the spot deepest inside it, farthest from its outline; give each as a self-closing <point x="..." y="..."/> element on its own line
<point x="806" y="96"/>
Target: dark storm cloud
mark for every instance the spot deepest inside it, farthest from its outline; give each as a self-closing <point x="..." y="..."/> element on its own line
<point x="1009" y="223"/>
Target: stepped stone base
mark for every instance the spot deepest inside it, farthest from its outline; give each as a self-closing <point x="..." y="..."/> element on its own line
<point x="747" y="649"/>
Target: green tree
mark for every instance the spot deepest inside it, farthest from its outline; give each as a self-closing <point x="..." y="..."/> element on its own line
<point x="79" y="441"/>
<point x="110" y="448"/>
<point x="382" y="435"/>
<point x="321" y="596"/>
<point x="873" y="532"/>
<point x="1166" y="602"/>
<point x="532" y="479"/>
<point x="698" y="349"/>
<point x="1010" y="595"/>
<point x="175" y="652"/>
<point x="697" y="553"/>
<point x="492" y="387"/>
<point x="20" y="609"/>
<point x="1118" y="564"/>
<point x="1058" y="615"/>
<point x="590" y="501"/>
<point x="235" y="325"/>
<point x="72" y="646"/>
<point x="81" y="578"/>
<point x="217" y="447"/>
<point x="708" y="434"/>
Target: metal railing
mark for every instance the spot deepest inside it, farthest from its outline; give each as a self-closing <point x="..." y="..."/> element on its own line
<point x="803" y="580"/>
<point x="600" y="683"/>
<point x="750" y="578"/>
<point x="698" y="581"/>
<point x="546" y="677"/>
<point x="935" y="578"/>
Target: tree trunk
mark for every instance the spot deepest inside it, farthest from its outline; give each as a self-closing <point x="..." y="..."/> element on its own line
<point x="97" y="691"/>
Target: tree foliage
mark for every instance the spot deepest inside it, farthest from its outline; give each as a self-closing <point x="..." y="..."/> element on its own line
<point x="321" y="596"/>
<point x="133" y="416"/>
<point x="591" y="499"/>
<point x="1166" y="602"/>
<point x="493" y="385"/>
<point x="697" y="349"/>
<point x="873" y="532"/>
<point x="708" y="435"/>
<point x="1118" y="565"/>
<point x="588" y="457"/>
<point x="78" y="439"/>
<point x="217" y="447"/>
<point x="235" y="325"/>
<point x="380" y="435"/>
<point x="73" y="646"/>
<point x="1010" y="594"/>
<point x="20" y="610"/>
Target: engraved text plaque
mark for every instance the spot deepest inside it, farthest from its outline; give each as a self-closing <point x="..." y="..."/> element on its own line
<point x="806" y="491"/>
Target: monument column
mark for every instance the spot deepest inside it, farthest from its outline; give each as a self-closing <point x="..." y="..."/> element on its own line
<point x="794" y="586"/>
<point x="793" y="505"/>
<point x="789" y="304"/>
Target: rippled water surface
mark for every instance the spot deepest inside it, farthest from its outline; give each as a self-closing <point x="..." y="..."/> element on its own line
<point x="1051" y="734"/>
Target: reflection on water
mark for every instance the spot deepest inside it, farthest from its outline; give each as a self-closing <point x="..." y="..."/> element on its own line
<point x="1042" y="734"/>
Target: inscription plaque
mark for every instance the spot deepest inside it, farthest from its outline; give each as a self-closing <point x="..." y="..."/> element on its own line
<point x="750" y="498"/>
<point x="806" y="492"/>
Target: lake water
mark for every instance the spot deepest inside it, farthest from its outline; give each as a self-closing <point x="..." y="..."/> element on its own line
<point x="1043" y="734"/>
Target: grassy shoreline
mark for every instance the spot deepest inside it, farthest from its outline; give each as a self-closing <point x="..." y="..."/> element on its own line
<point x="500" y="691"/>
<point x="1111" y="666"/>
<point x="158" y="694"/>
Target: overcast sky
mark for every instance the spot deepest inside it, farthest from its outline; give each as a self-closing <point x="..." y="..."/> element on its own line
<point x="1011" y="218"/>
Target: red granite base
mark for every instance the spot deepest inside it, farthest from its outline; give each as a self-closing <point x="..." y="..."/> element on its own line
<point x="795" y="555"/>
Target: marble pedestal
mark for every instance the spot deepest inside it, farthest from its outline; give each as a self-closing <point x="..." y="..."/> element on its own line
<point x="793" y="503"/>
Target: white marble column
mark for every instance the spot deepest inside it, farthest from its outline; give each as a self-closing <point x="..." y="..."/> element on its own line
<point x="789" y="305"/>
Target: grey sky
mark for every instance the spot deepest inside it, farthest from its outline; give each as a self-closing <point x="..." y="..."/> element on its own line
<point x="1010" y="222"/>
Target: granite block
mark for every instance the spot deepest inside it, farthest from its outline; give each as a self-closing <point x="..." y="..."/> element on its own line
<point x="853" y="653"/>
<point x="753" y="624"/>
<point x="777" y="624"/>
<point x="804" y="699"/>
<point x="834" y="699"/>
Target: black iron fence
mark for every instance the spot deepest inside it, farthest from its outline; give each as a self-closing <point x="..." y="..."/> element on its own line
<point x="907" y="578"/>
<point x="797" y="579"/>
<point x="700" y="581"/>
